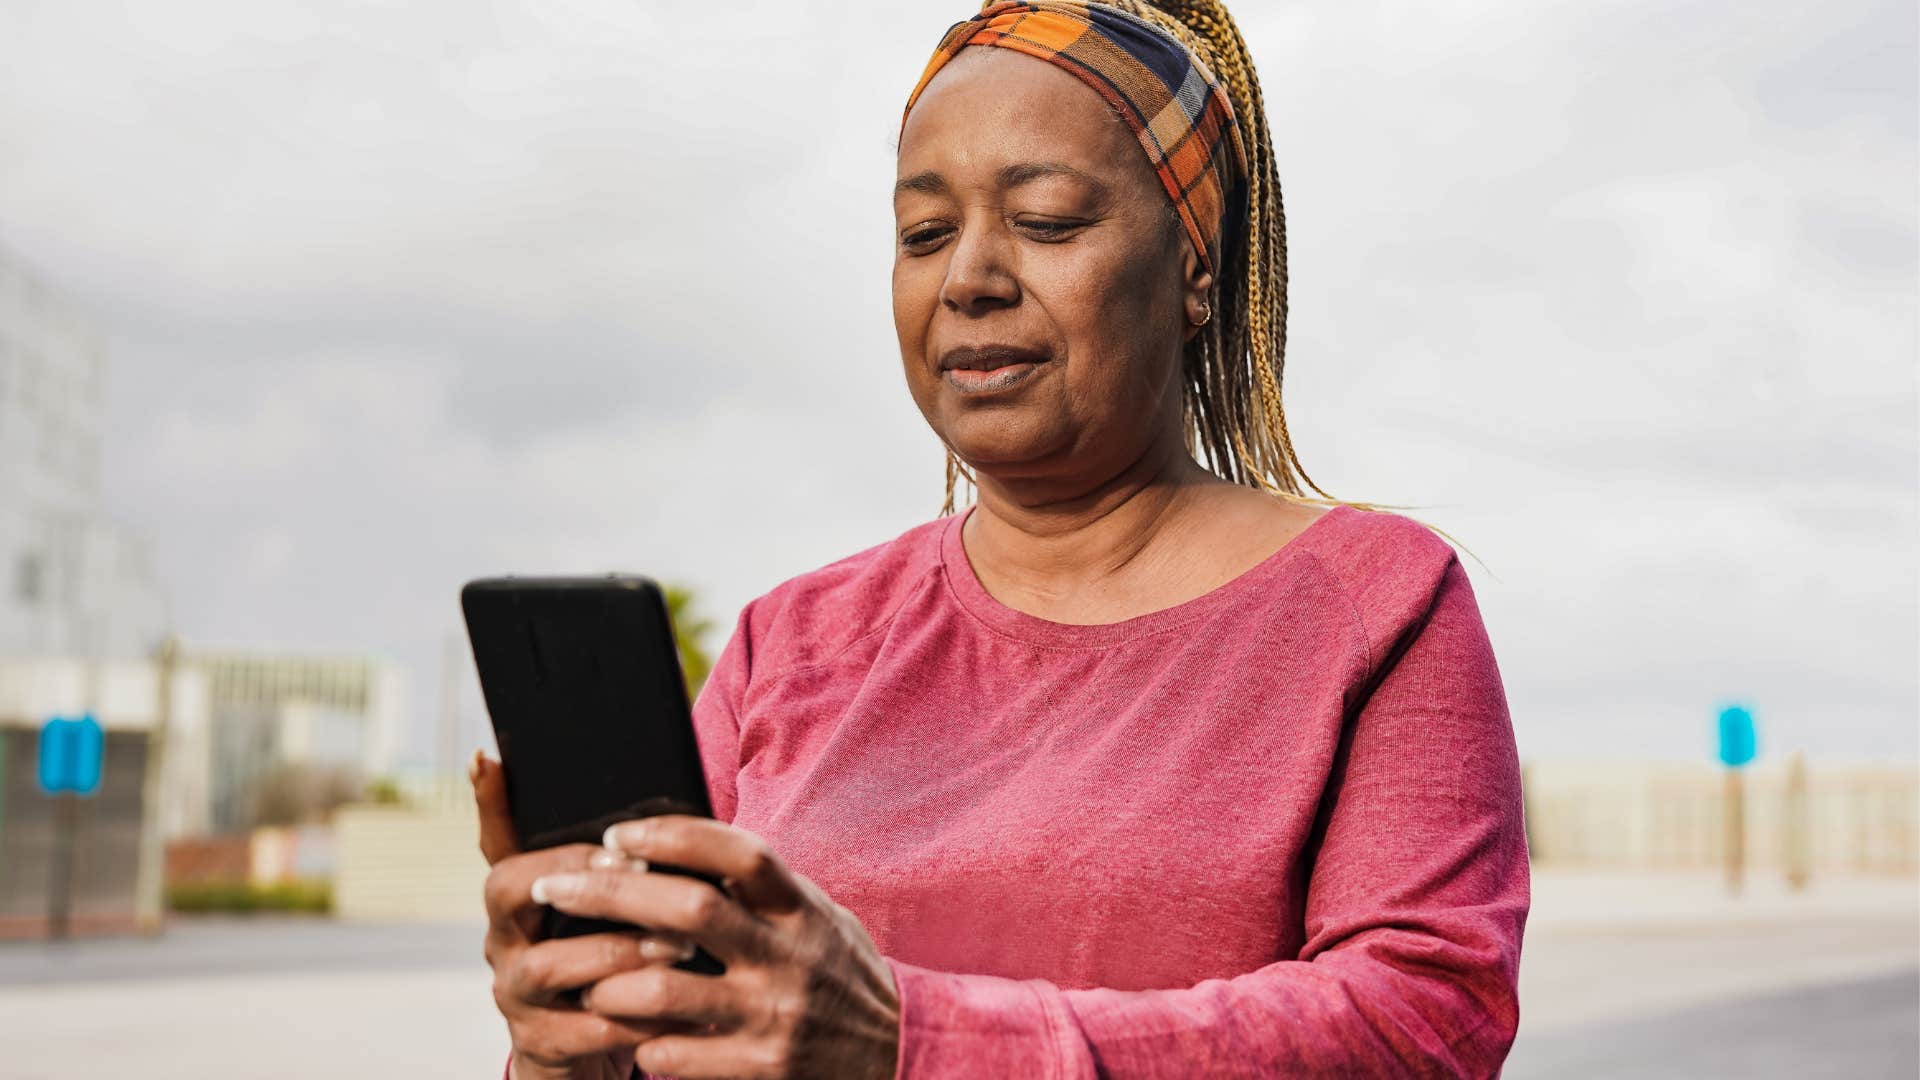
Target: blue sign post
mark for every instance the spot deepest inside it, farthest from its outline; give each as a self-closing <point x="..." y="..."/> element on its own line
<point x="72" y="750"/>
<point x="1737" y="747"/>
<point x="70" y="755"/>
<point x="1737" y="743"/>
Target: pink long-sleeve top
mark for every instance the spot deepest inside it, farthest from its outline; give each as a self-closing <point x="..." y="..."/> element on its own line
<point x="1272" y="830"/>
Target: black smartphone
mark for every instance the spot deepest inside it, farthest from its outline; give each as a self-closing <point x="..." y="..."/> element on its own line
<point x="590" y="710"/>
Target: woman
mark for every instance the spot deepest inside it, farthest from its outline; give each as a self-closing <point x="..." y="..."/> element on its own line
<point x="1139" y="767"/>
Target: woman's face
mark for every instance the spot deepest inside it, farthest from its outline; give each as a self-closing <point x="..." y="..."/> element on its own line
<point x="1042" y="288"/>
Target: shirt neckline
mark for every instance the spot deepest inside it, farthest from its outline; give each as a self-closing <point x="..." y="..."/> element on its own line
<point x="972" y="596"/>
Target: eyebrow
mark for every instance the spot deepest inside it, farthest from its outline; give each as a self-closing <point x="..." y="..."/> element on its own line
<point x="1024" y="172"/>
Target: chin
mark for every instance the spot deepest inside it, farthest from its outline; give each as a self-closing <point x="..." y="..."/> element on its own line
<point x="994" y="447"/>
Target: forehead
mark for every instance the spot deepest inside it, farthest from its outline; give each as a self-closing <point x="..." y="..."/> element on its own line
<point x="989" y="106"/>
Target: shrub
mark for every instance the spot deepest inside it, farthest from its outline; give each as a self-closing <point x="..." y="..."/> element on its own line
<point x="309" y="897"/>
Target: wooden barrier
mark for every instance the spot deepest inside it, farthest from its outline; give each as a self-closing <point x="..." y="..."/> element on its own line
<point x="408" y="863"/>
<point x="1799" y="820"/>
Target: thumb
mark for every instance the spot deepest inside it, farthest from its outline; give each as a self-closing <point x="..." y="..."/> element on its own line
<point x="497" y="838"/>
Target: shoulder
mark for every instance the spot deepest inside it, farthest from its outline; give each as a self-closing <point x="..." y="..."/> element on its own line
<point x="811" y="617"/>
<point x="1393" y="569"/>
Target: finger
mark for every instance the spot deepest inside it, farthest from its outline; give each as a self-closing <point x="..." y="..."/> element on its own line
<point x="509" y="887"/>
<point x="704" y="1056"/>
<point x="660" y="902"/>
<point x="758" y="878"/>
<point x="558" y="1037"/>
<point x="497" y="837"/>
<point x="549" y="968"/>
<point x="661" y="993"/>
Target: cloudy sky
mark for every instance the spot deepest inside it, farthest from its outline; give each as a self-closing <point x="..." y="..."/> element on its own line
<point x="1620" y="294"/>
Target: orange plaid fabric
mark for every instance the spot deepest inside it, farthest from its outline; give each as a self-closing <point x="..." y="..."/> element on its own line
<point x="1168" y="97"/>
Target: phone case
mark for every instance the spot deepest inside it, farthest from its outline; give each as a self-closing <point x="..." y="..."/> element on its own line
<point x="584" y="689"/>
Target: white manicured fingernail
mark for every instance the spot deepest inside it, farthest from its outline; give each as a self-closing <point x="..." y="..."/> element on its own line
<point x="614" y="860"/>
<point x="627" y="835"/>
<point x="556" y="888"/>
<point x="660" y="948"/>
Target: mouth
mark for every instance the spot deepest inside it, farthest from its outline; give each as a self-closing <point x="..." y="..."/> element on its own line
<point x="981" y="369"/>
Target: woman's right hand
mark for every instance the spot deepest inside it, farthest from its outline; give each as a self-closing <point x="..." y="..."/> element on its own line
<point x="553" y="1037"/>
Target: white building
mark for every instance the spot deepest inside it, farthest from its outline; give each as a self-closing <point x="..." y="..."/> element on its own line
<point x="272" y="709"/>
<point x="71" y="582"/>
<point x="82" y="619"/>
<point x="230" y="718"/>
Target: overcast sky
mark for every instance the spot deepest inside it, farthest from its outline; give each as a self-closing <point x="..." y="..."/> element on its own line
<point x="1622" y="295"/>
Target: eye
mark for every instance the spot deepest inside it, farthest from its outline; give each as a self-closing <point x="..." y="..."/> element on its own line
<point x="1049" y="230"/>
<point x="921" y="238"/>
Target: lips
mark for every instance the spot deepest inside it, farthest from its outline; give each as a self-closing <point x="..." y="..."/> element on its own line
<point x="990" y="357"/>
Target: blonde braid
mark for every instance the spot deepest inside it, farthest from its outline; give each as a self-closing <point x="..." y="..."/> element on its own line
<point x="955" y="472"/>
<point x="1233" y="368"/>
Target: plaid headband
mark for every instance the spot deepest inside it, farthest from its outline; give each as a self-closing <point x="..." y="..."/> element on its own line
<point x="1164" y="92"/>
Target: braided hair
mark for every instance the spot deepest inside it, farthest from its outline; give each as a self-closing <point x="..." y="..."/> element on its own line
<point x="1232" y="368"/>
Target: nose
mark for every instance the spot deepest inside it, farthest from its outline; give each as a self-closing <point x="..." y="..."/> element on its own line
<point x="979" y="276"/>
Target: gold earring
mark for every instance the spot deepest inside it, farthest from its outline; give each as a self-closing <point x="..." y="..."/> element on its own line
<point x="1207" y="318"/>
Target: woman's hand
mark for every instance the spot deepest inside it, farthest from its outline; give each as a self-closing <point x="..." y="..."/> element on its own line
<point x="554" y="1038"/>
<point x="805" y="994"/>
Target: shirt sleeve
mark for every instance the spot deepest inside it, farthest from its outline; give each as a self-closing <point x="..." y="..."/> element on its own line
<point x="1416" y="900"/>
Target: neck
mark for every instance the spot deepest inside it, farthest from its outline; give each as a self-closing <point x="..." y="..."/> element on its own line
<point x="1049" y="537"/>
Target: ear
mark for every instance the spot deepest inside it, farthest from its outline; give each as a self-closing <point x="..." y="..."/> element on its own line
<point x="1197" y="282"/>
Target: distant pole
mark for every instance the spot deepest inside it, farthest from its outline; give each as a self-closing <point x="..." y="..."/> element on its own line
<point x="1796" y="828"/>
<point x="66" y="808"/>
<point x="1736" y="828"/>
<point x="1737" y="747"/>
<point x="71" y="750"/>
<point x="66" y="804"/>
<point x="450" y="706"/>
<point x="150" y="884"/>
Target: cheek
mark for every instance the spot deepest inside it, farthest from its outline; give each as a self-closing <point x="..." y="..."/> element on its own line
<point x="915" y="296"/>
<point x="1111" y="308"/>
<point x="916" y="291"/>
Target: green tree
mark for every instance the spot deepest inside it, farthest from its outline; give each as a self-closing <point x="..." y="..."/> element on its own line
<point x="384" y="791"/>
<point x="688" y="630"/>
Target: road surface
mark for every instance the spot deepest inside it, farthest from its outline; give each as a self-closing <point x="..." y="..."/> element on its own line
<point x="1683" y="989"/>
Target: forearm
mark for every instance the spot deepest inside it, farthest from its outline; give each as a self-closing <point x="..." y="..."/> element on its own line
<point x="1341" y="1015"/>
<point x="1345" y="1014"/>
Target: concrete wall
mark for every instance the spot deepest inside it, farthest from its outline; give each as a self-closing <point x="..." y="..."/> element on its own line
<point x="106" y="838"/>
<point x="408" y="864"/>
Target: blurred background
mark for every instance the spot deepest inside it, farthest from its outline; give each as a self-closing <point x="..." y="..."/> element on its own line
<point x="311" y="312"/>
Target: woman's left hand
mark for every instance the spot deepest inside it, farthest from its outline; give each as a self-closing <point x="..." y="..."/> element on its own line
<point x="805" y="993"/>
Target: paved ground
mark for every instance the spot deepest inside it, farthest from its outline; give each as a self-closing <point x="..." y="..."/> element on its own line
<point x="1860" y="1029"/>
<point x="1619" y="979"/>
<point x="198" y="948"/>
